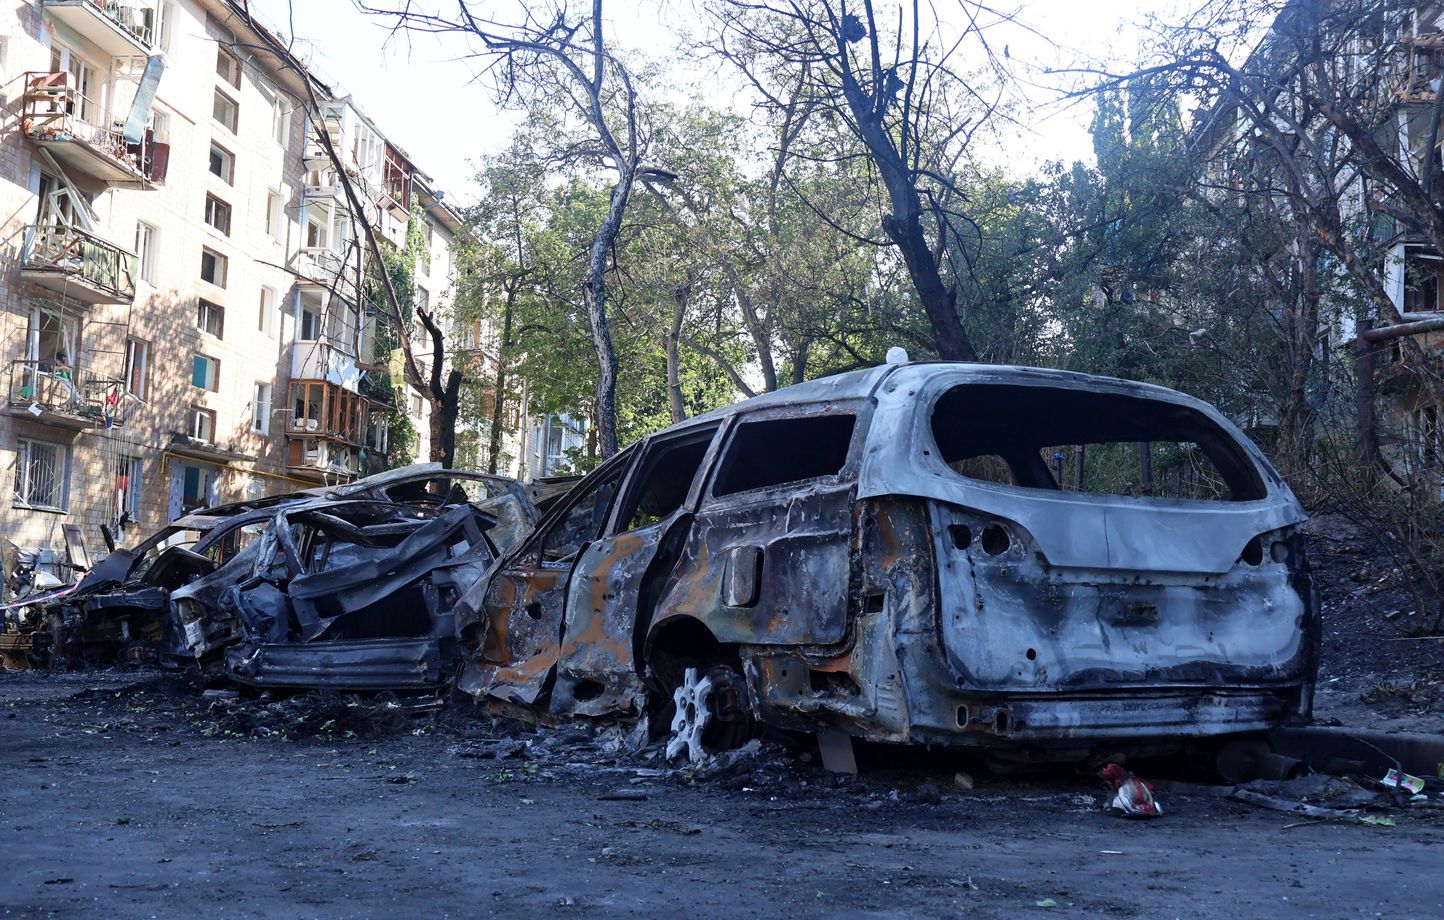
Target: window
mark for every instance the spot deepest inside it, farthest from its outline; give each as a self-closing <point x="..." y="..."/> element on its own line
<point x="218" y="214"/>
<point x="267" y="321"/>
<point x="769" y="453"/>
<point x="165" y="15"/>
<point x="274" y="218"/>
<point x="160" y="126"/>
<point x="82" y="78"/>
<point x="308" y="406"/>
<point x="145" y="240"/>
<point x="318" y="226"/>
<point x="137" y="360"/>
<point x="202" y="424"/>
<point x="223" y="163"/>
<point x="426" y="250"/>
<point x="664" y="478"/>
<point x="40" y="474"/>
<point x="281" y="121"/>
<point x="228" y="67"/>
<point x="310" y="324"/>
<point x="583" y="520"/>
<point x="225" y="111"/>
<point x="210" y="318"/>
<point x="129" y="474"/>
<point x="213" y="267"/>
<point x="1058" y="438"/>
<point x="206" y="372"/>
<point x="261" y="409"/>
<point x="423" y="298"/>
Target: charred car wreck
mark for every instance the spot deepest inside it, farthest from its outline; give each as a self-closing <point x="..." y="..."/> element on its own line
<point x="1039" y="564"/>
<point x="279" y="585"/>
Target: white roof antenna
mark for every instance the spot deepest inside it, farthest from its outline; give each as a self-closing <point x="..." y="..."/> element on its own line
<point x="897" y="355"/>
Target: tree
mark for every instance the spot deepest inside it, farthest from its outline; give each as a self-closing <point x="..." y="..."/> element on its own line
<point x="565" y="62"/>
<point x="896" y="92"/>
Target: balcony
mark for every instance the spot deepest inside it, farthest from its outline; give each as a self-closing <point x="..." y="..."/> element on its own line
<point x="78" y="265"/>
<point x="84" y="138"/>
<point x="67" y="397"/>
<point x="118" y="28"/>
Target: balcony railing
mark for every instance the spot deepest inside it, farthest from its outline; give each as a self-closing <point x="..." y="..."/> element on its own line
<point x="120" y="27"/>
<point x="51" y="390"/>
<point x="79" y="264"/>
<point x="84" y="136"/>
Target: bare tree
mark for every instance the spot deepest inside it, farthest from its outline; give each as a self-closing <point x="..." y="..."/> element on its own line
<point x="895" y="89"/>
<point x="562" y="59"/>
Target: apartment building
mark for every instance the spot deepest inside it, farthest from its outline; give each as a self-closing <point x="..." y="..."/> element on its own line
<point x="182" y="305"/>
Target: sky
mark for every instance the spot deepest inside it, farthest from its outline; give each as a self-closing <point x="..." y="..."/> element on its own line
<point x="426" y="98"/>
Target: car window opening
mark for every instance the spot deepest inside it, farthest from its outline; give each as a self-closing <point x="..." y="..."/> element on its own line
<point x="662" y="482"/>
<point x="1101" y="443"/>
<point x="774" y="452"/>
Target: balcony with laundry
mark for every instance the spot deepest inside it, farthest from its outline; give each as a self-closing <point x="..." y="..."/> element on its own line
<point x="88" y="141"/>
<point x="77" y="264"/>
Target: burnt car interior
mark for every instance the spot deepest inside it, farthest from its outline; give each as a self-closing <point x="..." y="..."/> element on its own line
<point x="1044" y="438"/>
<point x="664" y="478"/>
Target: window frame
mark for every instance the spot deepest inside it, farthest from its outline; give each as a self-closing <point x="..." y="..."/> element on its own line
<point x="234" y="122"/>
<point x="137" y="346"/>
<point x="218" y="214"/>
<point x="261" y="409"/>
<point x="221" y="263"/>
<point x="228" y="67"/>
<point x="266" y="322"/>
<point x="213" y="377"/>
<point x="198" y="413"/>
<point x="228" y="163"/>
<point x="146" y="237"/>
<point x="23" y="447"/>
<point x="209" y="309"/>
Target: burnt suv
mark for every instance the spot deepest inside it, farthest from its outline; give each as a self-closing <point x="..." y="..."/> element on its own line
<point x="1029" y="561"/>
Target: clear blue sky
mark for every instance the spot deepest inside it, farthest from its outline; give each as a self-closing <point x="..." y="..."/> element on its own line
<point x="425" y="99"/>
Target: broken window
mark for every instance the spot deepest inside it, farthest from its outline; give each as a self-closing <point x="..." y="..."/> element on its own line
<point x="769" y="453"/>
<point x="664" y="478"/>
<point x="1051" y="438"/>
<point x="584" y="517"/>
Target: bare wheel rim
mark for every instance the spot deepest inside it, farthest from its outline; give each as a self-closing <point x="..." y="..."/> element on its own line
<point x="710" y="713"/>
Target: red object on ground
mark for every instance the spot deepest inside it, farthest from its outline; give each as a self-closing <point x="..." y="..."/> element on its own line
<point x="1133" y="798"/>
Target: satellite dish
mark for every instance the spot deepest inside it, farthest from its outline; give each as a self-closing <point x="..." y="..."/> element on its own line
<point x="897" y="355"/>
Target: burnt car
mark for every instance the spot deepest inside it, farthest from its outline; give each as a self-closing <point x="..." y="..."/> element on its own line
<point x="1034" y="563"/>
<point x="120" y="610"/>
<point x="352" y="594"/>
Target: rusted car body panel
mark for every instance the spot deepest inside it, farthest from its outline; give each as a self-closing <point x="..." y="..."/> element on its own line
<point x="837" y="542"/>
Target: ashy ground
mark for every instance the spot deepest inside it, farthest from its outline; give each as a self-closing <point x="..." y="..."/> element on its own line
<point x="128" y="796"/>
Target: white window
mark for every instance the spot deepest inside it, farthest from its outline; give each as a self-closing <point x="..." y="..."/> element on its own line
<point x="423" y="298"/>
<point x="206" y="373"/>
<point x="160" y="125"/>
<point x="225" y="111"/>
<point x="218" y="214"/>
<point x="318" y="225"/>
<point x="210" y="318"/>
<point x="145" y="241"/>
<point x="82" y="78"/>
<point x="261" y="409"/>
<point x="41" y="470"/>
<point x="165" y="17"/>
<point x="310" y="324"/>
<point x="213" y="267"/>
<point x="274" y="218"/>
<point x="222" y="163"/>
<point x="202" y="424"/>
<point x="137" y="359"/>
<point x="281" y="120"/>
<point x="267" y="320"/>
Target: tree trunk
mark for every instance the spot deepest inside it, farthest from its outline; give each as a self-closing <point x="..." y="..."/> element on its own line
<point x="674" y="369"/>
<point x="498" y="401"/>
<point x="595" y="292"/>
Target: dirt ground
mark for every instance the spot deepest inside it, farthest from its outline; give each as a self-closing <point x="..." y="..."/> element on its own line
<point x="128" y="796"/>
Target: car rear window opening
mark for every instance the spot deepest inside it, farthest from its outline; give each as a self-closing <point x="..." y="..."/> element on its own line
<point x="777" y="451"/>
<point x="1076" y="440"/>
